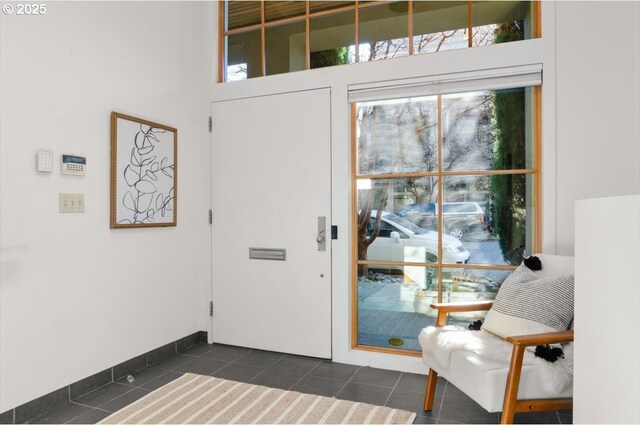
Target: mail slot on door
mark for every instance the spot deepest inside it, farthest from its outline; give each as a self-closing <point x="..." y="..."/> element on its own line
<point x="268" y="254"/>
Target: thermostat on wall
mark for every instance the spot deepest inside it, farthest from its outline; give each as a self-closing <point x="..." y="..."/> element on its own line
<point x="74" y="165"/>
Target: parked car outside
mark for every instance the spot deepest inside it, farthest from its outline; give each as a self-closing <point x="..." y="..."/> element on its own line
<point x="402" y="240"/>
<point x="458" y="218"/>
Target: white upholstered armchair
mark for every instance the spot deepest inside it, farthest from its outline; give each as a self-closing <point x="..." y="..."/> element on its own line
<point x="516" y="382"/>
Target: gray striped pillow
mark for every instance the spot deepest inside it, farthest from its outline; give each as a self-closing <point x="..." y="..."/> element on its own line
<point x="527" y="305"/>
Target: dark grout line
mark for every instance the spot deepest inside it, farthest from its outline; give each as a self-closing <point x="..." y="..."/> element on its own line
<point x="444" y="392"/>
<point x="109" y="383"/>
<point x="373" y="385"/>
<point x="201" y="355"/>
<point x="235" y="360"/>
<point x="447" y="421"/>
<point x="76" y="417"/>
<point x="84" y="405"/>
<point x="393" y="389"/>
<point x="349" y="380"/>
<point x="92" y="408"/>
<point x="305" y="375"/>
<point x="264" y="369"/>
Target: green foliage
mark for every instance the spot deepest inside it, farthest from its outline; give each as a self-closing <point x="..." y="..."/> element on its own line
<point x="330" y="57"/>
<point x="509" y="218"/>
<point x="509" y="31"/>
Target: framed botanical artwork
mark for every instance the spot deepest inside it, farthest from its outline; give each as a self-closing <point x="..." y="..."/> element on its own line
<point x="143" y="173"/>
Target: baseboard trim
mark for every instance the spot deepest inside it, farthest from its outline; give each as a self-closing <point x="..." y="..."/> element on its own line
<point x="41" y="405"/>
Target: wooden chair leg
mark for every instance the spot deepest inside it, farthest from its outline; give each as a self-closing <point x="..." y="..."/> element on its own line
<point x="430" y="392"/>
<point x="513" y="384"/>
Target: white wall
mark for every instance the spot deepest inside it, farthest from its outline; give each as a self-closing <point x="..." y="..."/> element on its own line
<point x="607" y="359"/>
<point x="598" y="106"/>
<point x="75" y="296"/>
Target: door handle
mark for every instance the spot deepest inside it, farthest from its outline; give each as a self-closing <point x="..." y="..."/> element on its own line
<point x="321" y="239"/>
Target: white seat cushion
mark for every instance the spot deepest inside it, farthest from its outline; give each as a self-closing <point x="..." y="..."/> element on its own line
<point x="484" y="380"/>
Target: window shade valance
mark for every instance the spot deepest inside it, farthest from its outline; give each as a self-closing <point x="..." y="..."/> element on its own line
<point x="491" y="79"/>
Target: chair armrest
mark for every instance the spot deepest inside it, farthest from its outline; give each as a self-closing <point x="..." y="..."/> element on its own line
<point x="539" y="339"/>
<point x="445" y="308"/>
<point x="520" y="343"/>
<point x="463" y="306"/>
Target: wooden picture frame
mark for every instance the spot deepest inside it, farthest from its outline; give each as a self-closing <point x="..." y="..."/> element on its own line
<point x="144" y="182"/>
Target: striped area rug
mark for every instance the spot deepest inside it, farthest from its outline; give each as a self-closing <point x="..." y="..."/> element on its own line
<point x="198" y="399"/>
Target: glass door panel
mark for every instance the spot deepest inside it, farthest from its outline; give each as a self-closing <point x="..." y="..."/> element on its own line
<point x="285" y="49"/>
<point x="492" y="215"/>
<point x="439" y="26"/>
<point x="501" y="21"/>
<point x="392" y="310"/>
<point x="384" y="31"/>
<point x="487" y="130"/>
<point x="397" y="221"/>
<point x="428" y="230"/>
<point x="242" y="13"/>
<point x="243" y="56"/>
<point x="331" y="39"/>
<point x="398" y="136"/>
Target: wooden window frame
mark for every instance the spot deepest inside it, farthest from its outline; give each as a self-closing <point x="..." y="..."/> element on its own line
<point x="308" y="15"/>
<point x="440" y="174"/>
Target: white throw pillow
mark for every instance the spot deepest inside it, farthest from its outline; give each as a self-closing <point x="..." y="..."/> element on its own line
<point x="527" y="305"/>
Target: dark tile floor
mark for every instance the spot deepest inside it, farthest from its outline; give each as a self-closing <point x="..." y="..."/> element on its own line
<point x="304" y="374"/>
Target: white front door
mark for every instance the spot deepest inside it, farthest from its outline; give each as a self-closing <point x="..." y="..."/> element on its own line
<point x="271" y="171"/>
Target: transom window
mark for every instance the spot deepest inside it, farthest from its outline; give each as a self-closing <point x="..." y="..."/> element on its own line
<point x="260" y="38"/>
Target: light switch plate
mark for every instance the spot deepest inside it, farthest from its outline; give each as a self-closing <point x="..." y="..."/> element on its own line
<point x="71" y="202"/>
<point x="44" y="161"/>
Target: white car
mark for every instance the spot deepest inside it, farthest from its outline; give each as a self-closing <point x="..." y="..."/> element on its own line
<point x="401" y="240"/>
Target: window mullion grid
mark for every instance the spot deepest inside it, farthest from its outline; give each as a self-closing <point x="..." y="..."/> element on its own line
<point x="437" y="264"/>
<point x="354" y="224"/>
<point x="537" y="25"/>
<point x="446" y="174"/>
<point x="307" y="45"/>
<point x="222" y="50"/>
<point x="263" y="43"/>
<point x="410" y="13"/>
<point x="375" y="3"/>
<point x="356" y="38"/>
<point x="396" y="263"/>
<point x="469" y="23"/>
<point x="356" y="8"/>
<point x="537" y="137"/>
<point x="241" y="30"/>
<point x="440" y="174"/>
<point x="440" y="189"/>
<point x="281" y="21"/>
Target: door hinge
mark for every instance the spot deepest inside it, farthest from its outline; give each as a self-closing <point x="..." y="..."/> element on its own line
<point x="210" y="217"/>
<point x="210" y="124"/>
<point x="210" y="308"/>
